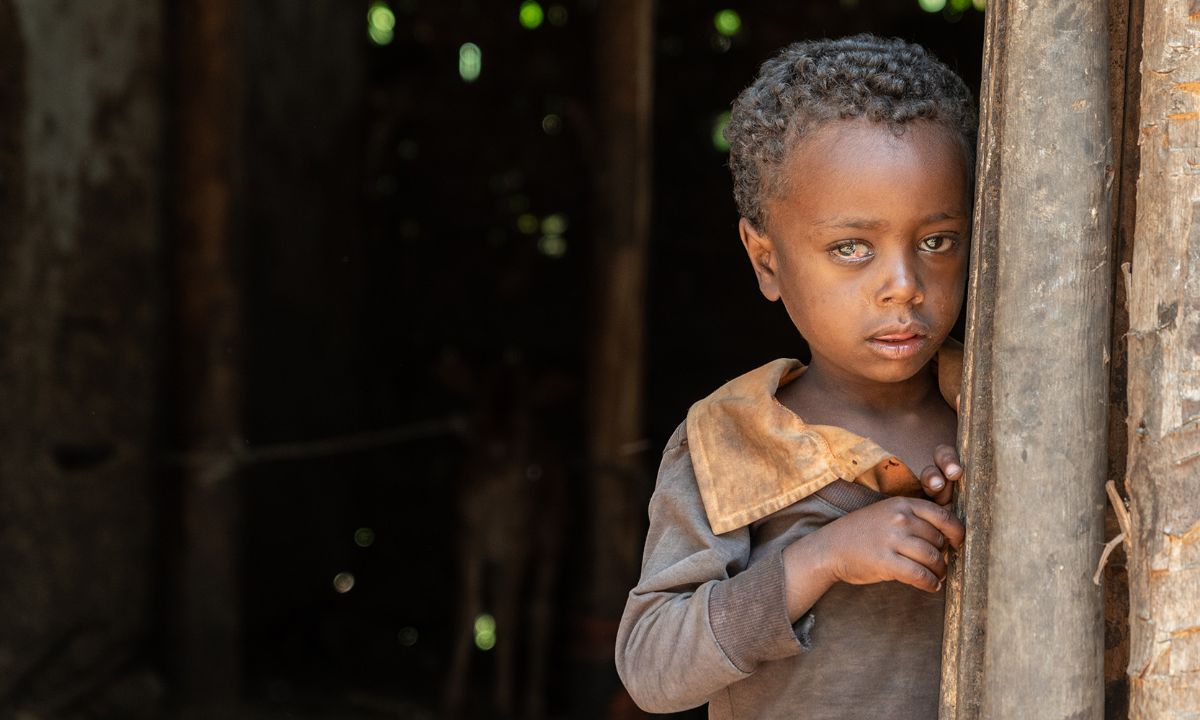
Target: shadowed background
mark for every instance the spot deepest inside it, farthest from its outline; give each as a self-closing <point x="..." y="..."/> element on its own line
<point x="302" y="313"/>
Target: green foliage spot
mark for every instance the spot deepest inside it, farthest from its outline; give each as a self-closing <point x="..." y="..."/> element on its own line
<point x="720" y="144"/>
<point x="531" y="15"/>
<point x="728" y="22"/>
<point x="485" y="632"/>
<point x="381" y="23"/>
<point x="470" y="62"/>
<point x="364" y="537"/>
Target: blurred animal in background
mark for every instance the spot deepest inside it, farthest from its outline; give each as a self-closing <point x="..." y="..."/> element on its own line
<point x="510" y="512"/>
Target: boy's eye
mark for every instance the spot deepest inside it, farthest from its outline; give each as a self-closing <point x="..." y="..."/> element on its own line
<point x="851" y="250"/>
<point x="938" y="244"/>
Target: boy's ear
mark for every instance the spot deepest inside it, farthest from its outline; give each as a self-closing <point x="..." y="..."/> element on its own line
<point x="761" y="252"/>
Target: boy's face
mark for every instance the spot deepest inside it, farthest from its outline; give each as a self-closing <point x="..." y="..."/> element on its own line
<point x="867" y="246"/>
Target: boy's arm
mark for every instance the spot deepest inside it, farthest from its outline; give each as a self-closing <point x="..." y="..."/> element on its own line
<point x="690" y="628"/>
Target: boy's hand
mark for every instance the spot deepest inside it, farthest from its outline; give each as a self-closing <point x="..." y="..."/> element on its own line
<point x="936" y="478"/>
<point x="899" y="539"/>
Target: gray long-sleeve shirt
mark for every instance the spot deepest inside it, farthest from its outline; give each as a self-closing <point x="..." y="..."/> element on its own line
<point x="708" y="621"/>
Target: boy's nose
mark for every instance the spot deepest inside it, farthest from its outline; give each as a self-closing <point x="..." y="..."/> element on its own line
<point x="901" y="284"/>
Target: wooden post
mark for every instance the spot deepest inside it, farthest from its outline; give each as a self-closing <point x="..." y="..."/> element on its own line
<point x="1044" y="267"/>
<point x="81" y="308"/>
<point x="625" y="29"/>
<point x="1164" y="375"/>
<point x="206" y="597"/>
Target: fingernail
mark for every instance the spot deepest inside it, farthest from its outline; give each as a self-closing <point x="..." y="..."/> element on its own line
<point x="954" y="470"/>
<point x="936" y="484"/>
<point x="939" y="587"/>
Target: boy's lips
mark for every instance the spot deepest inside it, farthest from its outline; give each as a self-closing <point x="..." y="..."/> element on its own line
<point x="899" y="342"/>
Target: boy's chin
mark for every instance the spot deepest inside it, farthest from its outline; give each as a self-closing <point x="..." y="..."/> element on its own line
<point x="898" y="371"/>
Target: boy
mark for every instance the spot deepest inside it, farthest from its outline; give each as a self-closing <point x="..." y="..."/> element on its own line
<point x="793" y="567"/>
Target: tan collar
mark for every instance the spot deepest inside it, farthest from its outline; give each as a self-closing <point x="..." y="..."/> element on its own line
<point x="753" y="456"/>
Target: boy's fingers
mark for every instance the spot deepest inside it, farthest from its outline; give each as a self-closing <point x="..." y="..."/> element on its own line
<point x="942" y="518"/>
<point x="946" y="458"/>
<point x="917" y="550"/>
<point x="911" y="572"/>
<point x="935" y="485"/>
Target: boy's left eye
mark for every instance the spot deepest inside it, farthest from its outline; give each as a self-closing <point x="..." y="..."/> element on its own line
<point x="938" y="244"/>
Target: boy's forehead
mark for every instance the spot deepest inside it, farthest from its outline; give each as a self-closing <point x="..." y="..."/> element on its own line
<point x="856" y="162"/>
<point x="849" y="147"/>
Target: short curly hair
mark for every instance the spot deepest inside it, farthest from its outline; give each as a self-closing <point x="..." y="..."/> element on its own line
<point x="813" y="82"/>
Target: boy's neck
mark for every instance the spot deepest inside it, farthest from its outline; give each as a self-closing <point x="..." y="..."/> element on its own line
<point x="855" y="395"/>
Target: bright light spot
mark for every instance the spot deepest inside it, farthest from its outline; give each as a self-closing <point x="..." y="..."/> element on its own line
<point x="554" y="246"/>
<point x="979" y="4"/>
<point x="381" y="17"/>
<point x="728" y="22"/>
<point x="557" y="15"/>
<point x="720" y="144"/>
<point x="485" y="632"/>
<point x="527" y="223"/>
<point x="381" y="23"/>
<point x="959" y="6"/>
<point x="470" y="62"/>
<point x="932" y="5"/>
<point x="551" y="124"/>
<point x="407" y="636"/>
<point x="364" y="537"/>
<point x="555" y="224"/>
<point x="343" y="582"/>
<point x="531" y="15"/>
<point x="380" y="37"/>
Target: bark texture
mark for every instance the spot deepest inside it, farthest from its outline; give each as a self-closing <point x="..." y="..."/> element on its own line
<point x="1164" y="375"/>
<point x="80" y="321"/>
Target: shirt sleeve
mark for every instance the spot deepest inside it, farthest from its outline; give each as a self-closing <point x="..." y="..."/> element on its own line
<point x="699" y="618"/>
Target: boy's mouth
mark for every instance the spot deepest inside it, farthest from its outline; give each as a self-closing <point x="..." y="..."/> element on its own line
<point x="899" y="342"/>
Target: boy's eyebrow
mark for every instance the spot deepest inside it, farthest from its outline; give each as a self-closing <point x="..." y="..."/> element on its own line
<point x="860" y="223"/>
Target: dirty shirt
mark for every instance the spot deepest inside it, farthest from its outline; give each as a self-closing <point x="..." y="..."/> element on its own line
<point x="740" y="480"/>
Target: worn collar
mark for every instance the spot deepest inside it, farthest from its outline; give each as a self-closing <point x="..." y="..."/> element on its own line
<point x="753" y="456"/>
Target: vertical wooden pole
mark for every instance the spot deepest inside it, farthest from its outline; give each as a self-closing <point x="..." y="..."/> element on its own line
<point x="1164" y="374"/>
<point x="206" y="597"/>
<point x="1043" y="656"/>
<point x="625" y="31"/>
<point x="1034" y="499"/>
